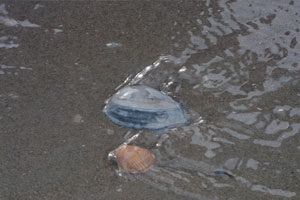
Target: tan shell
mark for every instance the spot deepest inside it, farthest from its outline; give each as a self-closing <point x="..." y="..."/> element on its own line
<point x="134" y="159"/>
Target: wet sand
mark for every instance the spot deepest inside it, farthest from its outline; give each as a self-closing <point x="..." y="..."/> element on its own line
<point x="44" y="154"/>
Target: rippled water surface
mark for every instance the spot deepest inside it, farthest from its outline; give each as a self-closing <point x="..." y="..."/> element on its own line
<point x="234" y="66"/>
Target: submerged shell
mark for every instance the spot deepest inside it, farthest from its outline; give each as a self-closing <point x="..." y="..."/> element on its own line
<point x="144" y="107"/>
<point x="134" y="159"/>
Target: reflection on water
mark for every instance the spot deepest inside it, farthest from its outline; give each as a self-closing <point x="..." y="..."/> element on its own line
<point x="243" y="102"/>
<point x="8" y="42"/>
<point x="7" y="21"/>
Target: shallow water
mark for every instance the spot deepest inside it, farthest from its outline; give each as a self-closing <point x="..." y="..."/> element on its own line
<point x="233" y="65"/>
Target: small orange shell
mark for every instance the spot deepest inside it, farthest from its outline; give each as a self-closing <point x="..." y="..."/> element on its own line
<point x="134" y="159"/>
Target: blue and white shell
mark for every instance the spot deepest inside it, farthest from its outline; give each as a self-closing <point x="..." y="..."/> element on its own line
<point x="142" y="107"/>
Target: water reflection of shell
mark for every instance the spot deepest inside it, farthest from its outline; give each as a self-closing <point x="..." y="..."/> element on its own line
<point x="134" y="159"/>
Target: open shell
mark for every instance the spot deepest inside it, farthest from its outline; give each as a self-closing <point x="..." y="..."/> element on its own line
<point x="134" y="159"/>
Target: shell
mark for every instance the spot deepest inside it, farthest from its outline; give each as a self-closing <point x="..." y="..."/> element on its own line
<point x="144" y="107"/>
<point x="134" y="159"/>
